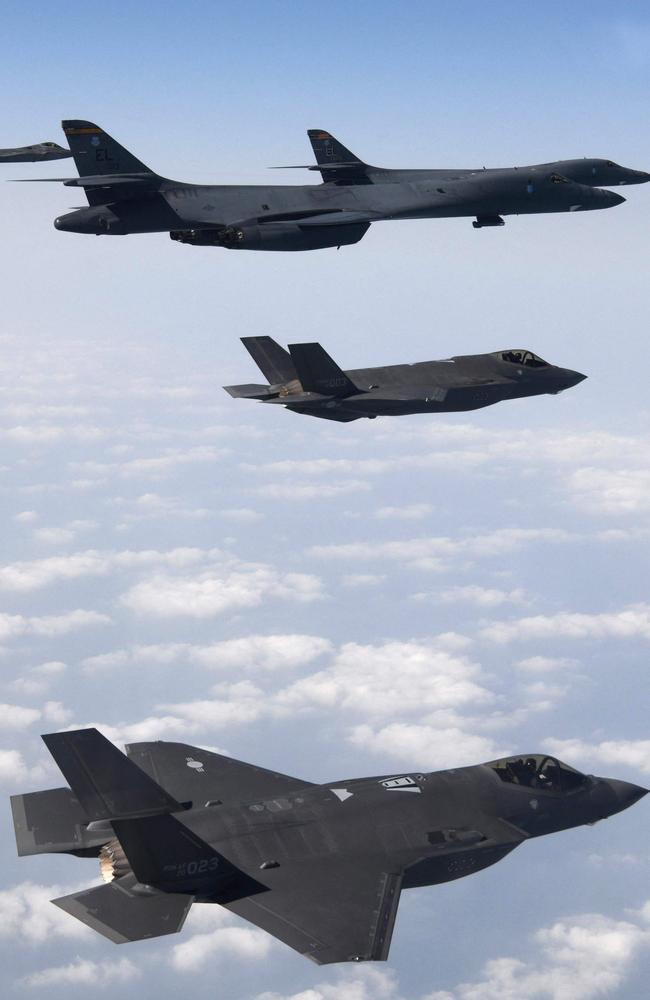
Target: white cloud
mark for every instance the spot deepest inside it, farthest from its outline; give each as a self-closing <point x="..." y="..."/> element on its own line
<point x="26" y="914"/>
<point x="83" y="972"/>
<point x="38" y="679"/>
<point x="216" y="591"/>
<point x="365" y="983"/>
<point x="34" y="574"/>
<point x="309" y="491"/>
<point x="49" y="625"/>
<point x="631" y="753"/>
<point x="25" y="516"/>
<point x="431" y="747"/>
<point x="54" y="536"/>
<point x="218" y="935"/>
<point x="266" y="652"/>
<point x="438" y="552"/>
<point x="632" y="621"/>
<point x="409" y="512"/>
<point x="239" y="943"/>
<point x="17" y="717"/>
<point x="482" y="597"/>
<point x="14" y="771"/>
<point x="580" y="958"/>
<point x="611" y="491"/>
<point x="362" y="579"/>
<point x="243" y="514"/>
<point x="156" y="467"/>
<point x="545" y="664"/>
<point x="394" y="677"/>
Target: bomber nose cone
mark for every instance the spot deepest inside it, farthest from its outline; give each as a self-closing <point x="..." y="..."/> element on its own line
<point x="625" y="793"/>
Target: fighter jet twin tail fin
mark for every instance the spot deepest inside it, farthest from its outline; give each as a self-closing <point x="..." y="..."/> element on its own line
<point x="305" y="368"/>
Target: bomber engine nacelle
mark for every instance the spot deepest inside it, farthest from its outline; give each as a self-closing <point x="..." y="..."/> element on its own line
<point x="274" y="236"/>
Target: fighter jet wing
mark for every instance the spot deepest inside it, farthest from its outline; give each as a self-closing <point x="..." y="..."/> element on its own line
<point x="192" y="774"/>
<point x="328" y="909"/>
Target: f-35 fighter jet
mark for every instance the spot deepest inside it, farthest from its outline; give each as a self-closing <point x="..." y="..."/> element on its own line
<point x="306" y="379"/>
<point x="34" y="154"/>
<point x="125" y="196"/>
<point x="320" y="867"/>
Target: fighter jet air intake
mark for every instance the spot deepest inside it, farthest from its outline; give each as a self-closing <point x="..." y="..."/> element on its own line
<point x="125" y="196"/>
<point x="306" y="380"/>
<point x="321" y="867"/>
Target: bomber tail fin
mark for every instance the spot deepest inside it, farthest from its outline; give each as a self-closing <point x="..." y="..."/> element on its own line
<point x="96" y="155"/>
<point x="95" y="152"/>
<point x="318" y="372"/>
<point x="272" y="360"/>
<point x="336" y="162"/>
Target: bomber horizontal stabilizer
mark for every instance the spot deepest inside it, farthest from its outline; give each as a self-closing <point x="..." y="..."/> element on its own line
<point x="352" y="165"/>
<point x="125" y="911"/>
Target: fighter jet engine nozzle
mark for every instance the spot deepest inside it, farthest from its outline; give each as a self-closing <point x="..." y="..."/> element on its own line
<point x="273" y="236"/>
<point x="112" y="861"/>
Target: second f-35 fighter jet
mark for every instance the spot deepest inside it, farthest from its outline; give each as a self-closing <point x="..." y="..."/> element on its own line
<point x="305" y="379"/>
<point x="321" y="867"/>
<point x="34" y="154"/>
<point x="125" y="196"/>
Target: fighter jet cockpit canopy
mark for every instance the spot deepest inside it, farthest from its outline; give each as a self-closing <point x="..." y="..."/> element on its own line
<point x="539" y="771"/>
<point x="521" y="357"/>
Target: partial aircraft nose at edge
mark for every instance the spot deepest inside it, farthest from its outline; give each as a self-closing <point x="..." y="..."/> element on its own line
<point x="626" y="792"/>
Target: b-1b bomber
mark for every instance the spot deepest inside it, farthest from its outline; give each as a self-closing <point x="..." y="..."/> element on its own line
<point x="306" y="380"/>
<point x="126" y="196"/>
<point x="320" y="867"/>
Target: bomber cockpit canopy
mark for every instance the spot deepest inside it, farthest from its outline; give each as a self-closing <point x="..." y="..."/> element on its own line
<point x="520" y="356"/>
<point x="540" y="772"/>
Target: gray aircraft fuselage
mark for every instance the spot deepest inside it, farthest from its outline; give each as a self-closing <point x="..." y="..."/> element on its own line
<point x="464" y="382"/>
<point x="320" y="867"/>
<point x="126" y="197"/>
<point x="435" y="826"/>
<point x="34" y="154"/>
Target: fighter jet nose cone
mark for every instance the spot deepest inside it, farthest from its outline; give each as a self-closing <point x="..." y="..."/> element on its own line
<point x="58" y="224"/>
<point x="615" y="199"/>
<point x="576" y="378"/>
<point x="625" y="793"/>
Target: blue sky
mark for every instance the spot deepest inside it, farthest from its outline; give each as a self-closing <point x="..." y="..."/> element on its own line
<point x="180" y="565"/>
